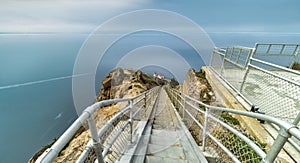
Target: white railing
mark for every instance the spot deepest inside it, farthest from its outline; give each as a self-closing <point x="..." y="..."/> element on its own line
<point x="271" y="87"/>
<point x="225" y="134"/>
<point x="135" y="105"/>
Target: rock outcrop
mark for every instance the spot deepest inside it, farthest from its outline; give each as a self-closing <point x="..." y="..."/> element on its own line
<point x="196" y="86"/>
<point x="125" y="83"/>
<point x="118" y="84"/>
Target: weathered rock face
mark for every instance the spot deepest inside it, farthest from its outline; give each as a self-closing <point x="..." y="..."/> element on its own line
<point x="125" y="83"/>
<point x="196" y="86"/>
<point x="118" y="84"/>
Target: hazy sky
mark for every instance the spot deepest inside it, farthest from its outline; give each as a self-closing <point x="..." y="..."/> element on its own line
<point x="214" y="15"/>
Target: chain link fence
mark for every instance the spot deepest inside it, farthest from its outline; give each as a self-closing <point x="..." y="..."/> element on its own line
<point x="265" y="79"/>
<point x="111" y="125"/>
<point x="221" y="143"/>
<point x="115" y="146"/>
<point x="261" y="78"/>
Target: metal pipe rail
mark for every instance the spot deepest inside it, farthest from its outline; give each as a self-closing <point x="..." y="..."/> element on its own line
<point x="240" y="85"/>
<point x="287" y="129"/>
<point x="88" y="116"/>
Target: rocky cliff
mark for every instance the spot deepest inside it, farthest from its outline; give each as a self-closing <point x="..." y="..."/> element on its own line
<point x="118" y="83"/>
<point x="125" y="83"/>
<point x="197" y="86"/>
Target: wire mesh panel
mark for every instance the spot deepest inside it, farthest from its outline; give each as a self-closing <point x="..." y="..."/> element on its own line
<point x="234" y="65"/>
<point x="118" y="146"/>
<point x="233" y="74"/>
<point x="277" y="49"/>
<point x="237" y="146"/>
<point x="221" y="143"/>
<point x="217" y="59"/>
<point x="274" y="96"/>
<point x="273" y="88"/>
<point x="280" y="54"/>
<point x="238" y="55"/>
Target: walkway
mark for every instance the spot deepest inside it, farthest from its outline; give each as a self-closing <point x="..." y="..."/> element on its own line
<point x="165" y="138"/>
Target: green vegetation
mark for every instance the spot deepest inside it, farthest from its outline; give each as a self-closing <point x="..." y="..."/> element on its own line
<point x="295" y="66"/>
<point x="173" y="83"/>
<point x="237" y="146"/>
<point x="229" y="119"/>
<point x="200" y="74"/>
<point x="202" y="108"/>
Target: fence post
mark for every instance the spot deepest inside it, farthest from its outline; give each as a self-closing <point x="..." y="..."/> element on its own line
<point x="212" y="57"/>
<point x="183" y="107"/>
<point x="96" y="141"/>
<point x="279" y="142"/>
<point x="204" y="129"/>
<point x="172" y="96"/>
<point x="224" y="59"/>
<point x="248" y="62"/>
<point x="296" y="52"/>
<point x="175" y="100"/>
<point x="131" y="119"/>
<point x="145" y="100"/>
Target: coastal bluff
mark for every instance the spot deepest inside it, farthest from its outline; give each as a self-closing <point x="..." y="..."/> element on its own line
<point x="119" y="83"/>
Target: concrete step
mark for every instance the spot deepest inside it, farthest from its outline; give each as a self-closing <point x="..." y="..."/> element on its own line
<point x="155" y="159"/>
<point x="164" y="127"/>
<point x="163" y="133"/>
<point x="166" y="151"/>
<point x="166" y="141"/>
<point x="163" y="117"/>
<point x="168" y="119"/>
<point x="163" y="120"/>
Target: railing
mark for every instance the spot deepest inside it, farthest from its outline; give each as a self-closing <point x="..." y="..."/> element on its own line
<point x="271" y="87"/>
<point x="265" y="81"/>
<point x="221" y="134"/>
<point x="105" y="139"/>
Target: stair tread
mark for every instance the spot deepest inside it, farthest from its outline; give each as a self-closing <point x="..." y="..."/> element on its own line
<point x="165" y="151"/>
<point x="155" y="159"/>
<point x="163" y="140"/>
<point x="164" y="127"/>
<point x="163" y="132"/>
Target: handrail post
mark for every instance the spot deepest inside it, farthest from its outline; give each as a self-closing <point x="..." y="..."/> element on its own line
<point x="145" y="99"/>
<point x="96" y="141"/>
<point x="204" y="129"/>
<point x="173" y="97"/>
<point x="177" y="99"/>
<point x="223" y="62"/>
<point x="248" y="62"/>
<point x="278" y="144"/>
<point x="183" y="107"/>
<point x="131" y="119"/>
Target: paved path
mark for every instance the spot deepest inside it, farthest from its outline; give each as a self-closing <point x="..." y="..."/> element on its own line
<point x="165" y="138"/>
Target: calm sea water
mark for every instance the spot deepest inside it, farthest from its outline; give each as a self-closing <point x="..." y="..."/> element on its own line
<point x="32" y="115"/>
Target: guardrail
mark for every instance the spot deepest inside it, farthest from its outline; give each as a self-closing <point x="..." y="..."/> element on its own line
<point x="135" y="105"/>
<point x="218" y="124"/>
<point x="273" y="88"/>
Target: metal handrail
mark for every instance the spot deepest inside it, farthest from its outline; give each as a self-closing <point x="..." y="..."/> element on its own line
<point x="287" y="129"/>
<point x="88" y="116"/>
<point x="276" y="66"/>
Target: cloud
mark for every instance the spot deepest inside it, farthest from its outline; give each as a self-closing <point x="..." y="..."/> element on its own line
<point x="59" y="16"/>
<point x="288" y="28"/>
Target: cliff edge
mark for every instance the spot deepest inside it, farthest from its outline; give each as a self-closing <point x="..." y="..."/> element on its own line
<point x="119" y="83"/>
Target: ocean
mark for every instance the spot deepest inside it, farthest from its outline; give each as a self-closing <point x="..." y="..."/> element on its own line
<point x="36" y="101"/>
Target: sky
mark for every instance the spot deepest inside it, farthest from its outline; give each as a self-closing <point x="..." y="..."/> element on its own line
<point x="231" y="22"/>
<point x="255" y="16"/>
<point x="40" y="41"/>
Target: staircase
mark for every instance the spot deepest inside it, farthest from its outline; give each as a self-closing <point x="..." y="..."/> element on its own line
<point x="165" y="138"/>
